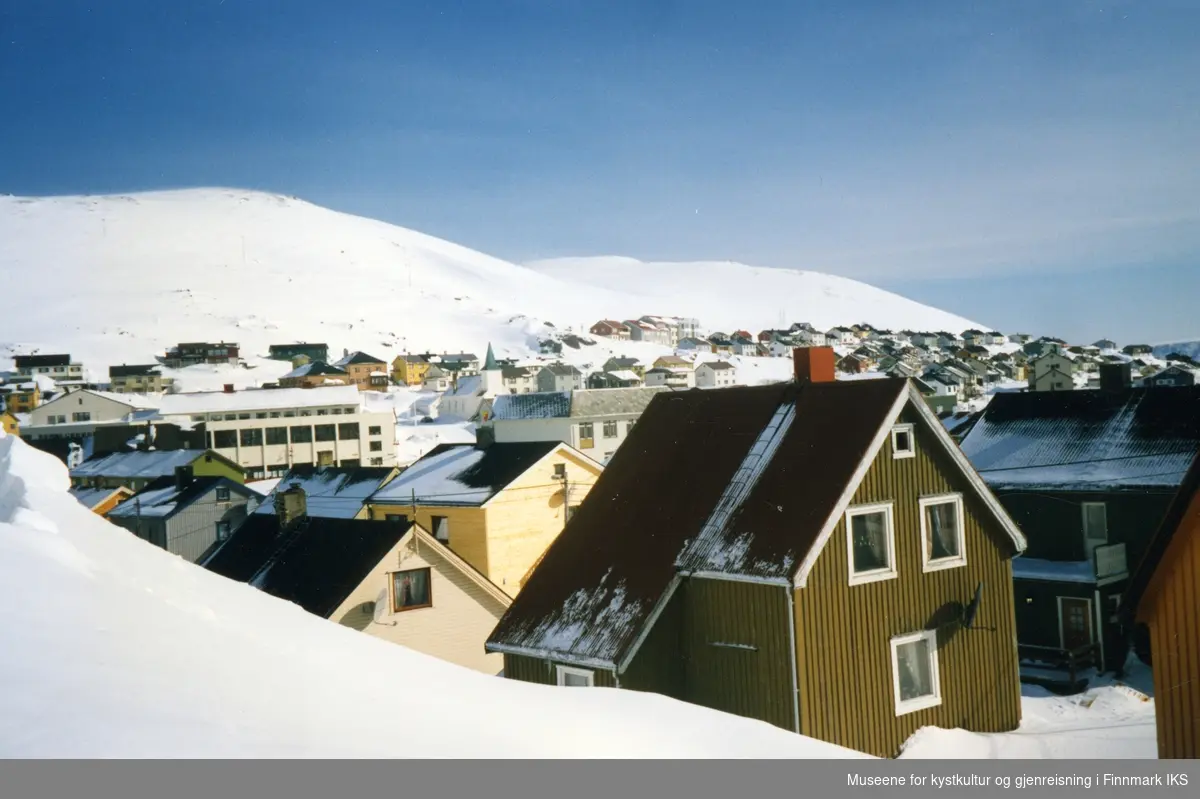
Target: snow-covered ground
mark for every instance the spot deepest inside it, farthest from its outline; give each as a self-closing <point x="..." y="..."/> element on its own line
<point x="114" y="648"/>
<point x="147" y="271"/>
<point x="122" y="650"/>
<point x="1111" y="721"/>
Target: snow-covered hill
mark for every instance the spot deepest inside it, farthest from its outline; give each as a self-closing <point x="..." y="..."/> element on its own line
<point x="114" y="648"/>
<point x="118" y="279"/>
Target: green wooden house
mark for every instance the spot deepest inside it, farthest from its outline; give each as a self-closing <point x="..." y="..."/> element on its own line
<point x="816" y="554"/>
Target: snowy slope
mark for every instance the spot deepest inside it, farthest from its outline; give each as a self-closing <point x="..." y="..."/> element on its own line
<point x="730" y="296"/>
<point x="118" y="279"/>
<point x="113" y="648"/>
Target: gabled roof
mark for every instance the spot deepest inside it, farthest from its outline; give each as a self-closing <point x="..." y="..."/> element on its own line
<point x="536" y="405"/>
<point x="716" y="365"/>
<point x="331" y="492"/>
<point x="316" y="369"/>
<point x="162" y="498"/>
<point x="463" y="474"/>
<point x="91" y="498"/>
<point x="141" y="464"/>
<point x="358" y="358"/>
<point x="516" y="372"/>
<point x="434" y="372"/>
<point x="623" y="362"/>
<point x="316" y="564"/>
<point x="1174" y="518"/>
<point x="561" y="369"/>
<point x="738" y="460"/>
<point x="1087" y="440"/>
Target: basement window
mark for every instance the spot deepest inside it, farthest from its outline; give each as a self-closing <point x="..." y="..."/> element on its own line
<point x="915" y="681"/>
<point x="575" y="678"/>
<point x="903" y="445"/>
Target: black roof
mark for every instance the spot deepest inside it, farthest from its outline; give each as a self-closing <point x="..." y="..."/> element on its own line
<point x="163" y="492"/>
<point x="315" y="564"/>
<point x="360" y="357"/>
<point x="24" y="361"/>
<point x="140" y="370"/>
<point x="463" y="474"/>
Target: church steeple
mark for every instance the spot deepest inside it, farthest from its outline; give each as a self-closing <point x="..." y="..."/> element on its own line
<point x="492" y="380"/>
<point x="489" y="363"/>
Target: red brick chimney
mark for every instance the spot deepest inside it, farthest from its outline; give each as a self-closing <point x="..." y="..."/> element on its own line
<point x="813" y="364"/>
<point x="229" y="388"/>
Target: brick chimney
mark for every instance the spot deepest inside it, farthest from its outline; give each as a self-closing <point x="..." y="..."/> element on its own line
<point x="229" y="388"/>
<point x="813" y="364"/>
<point x="291" y="506"/>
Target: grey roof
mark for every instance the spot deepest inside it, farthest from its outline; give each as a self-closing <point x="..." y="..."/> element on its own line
<point x="463" y="474"/>
<point x="561" y="369"/>
<point x="331" y="493"/>
<point x="613" y="401"/>
<point x="539" y="405"/>
<point x="139" y="465"/>
<point x="514" y="372"/>
<point x="716" y="365"/>
<point x="91" y="497"/>
<point x="434" y="371"/>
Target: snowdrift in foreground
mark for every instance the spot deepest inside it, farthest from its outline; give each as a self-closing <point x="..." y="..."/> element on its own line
<point x="113" y="648"/>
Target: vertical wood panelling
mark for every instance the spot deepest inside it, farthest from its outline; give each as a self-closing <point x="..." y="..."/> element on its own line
<point x="658" y="665"/>
<point x="738" y="649"/>
<point x="543" y="672"/>
<point x="1173" y="615"/>
<point x="844" y="631"/>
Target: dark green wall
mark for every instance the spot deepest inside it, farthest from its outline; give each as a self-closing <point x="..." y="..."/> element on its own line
<point x="658" y="665"/>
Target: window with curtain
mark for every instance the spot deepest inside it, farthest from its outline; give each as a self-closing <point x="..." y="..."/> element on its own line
<point x="915" y="672"/>
<point x="870" y="536"/>
<point x="942" y="530"/>
<point x="410" y="590"/>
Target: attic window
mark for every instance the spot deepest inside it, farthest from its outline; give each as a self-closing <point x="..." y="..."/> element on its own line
<point x="903" y="445"/>
<point x="560" y="470"/>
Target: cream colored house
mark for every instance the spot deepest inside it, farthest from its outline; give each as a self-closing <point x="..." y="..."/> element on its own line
<point x="498" y="506"/>
<point x="77" y="413"/>
<point x="389" y="580"/>
<point x="1054" y="371"/>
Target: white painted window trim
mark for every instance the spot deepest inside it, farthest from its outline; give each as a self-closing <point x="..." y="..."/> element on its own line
<point x="911" y="452"/>
<point x="563" y="671"/>
<point x="862" y="578"/>
<point x="928" y="564"/>
<point x="935" y="679"/>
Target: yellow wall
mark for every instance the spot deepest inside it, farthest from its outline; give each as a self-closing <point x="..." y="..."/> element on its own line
<point x="203" y="466"/>
<point x="454" y="629"/>
<point x="504" y="538"/>
<point x="9" y="423"/>
<point x="360" y="373"/>
<point x="409" y="373"/>
<point x="24" y="401"/>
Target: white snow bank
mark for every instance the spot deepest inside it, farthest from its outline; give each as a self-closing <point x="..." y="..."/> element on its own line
<point x="114" y="648"/>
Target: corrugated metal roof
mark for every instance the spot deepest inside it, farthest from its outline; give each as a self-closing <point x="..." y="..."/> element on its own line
<point x="463" y="474"/>
<point x="330" y="492"/>
<point x="258" y="399"/>
<point x="613" y="401"/>
<point x="1087" y="440"/>
<point x="537" y="405"/>
<point x="139" y="465"/>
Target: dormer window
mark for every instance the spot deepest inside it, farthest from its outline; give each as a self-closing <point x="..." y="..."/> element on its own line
<point x="903" y="443"/>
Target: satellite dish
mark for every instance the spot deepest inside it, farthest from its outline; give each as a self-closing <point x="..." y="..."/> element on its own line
<point x="968" y="617"/>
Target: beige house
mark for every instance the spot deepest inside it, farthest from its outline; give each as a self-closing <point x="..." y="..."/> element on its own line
<point x="389" y="580"/>
<point x="1054" y="371"/>
<point x="77" y="413"/>
<point x="139" y="379"/>
<point x="498" y="506"/>
<point x="366" y="371"/>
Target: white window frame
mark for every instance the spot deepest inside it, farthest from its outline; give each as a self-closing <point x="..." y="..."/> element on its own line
<point x="562" y="671"/>
<point x="861" y="578"/>
<point x="904" y="707"/>
<point x="929" y="565"/>
<point x="911" y="452"/>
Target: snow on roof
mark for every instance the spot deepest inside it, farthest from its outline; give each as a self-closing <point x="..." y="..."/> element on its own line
<point x="314" y="368"/>
<point x="613" y="401"/>
<point x="626" y="375"/>
<point x="91" y="497"/>
<point x="258" y="399"/>
<point x="139" y="401"/>
<point x="1069" y="571"/>
<point x="538" y="405"/>
<point x="469" y="386"/>
<point x="716" y="365"/>
<point x="463" y="474"/>
<point x="137" y="465"/>
<point x="330" y="493"/>
<point x="1086" y="439"/>
<point x="160" y="631"/>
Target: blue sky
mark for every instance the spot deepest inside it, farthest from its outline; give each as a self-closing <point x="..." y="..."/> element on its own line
<point x="1029" y="164"/>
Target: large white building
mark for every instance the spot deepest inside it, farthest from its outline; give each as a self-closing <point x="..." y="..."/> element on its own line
<point x="75" y="414"/>
<point x="267" y="431"/>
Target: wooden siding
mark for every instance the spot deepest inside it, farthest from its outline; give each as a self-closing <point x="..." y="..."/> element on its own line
<point x="737" y="646"/>
<point x="543" y="672"/>
<point x="468" y="529"/>
<point x="844" y="632"/>
<point x="1169" y="609"/>
<point x="658" y="665"/>
<point x="453" y="629"/>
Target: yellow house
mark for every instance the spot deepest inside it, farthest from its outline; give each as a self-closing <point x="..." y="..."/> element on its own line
<point x="390" y="580"/>
<point x="8" y="423"/>
<point x="497" y="506"/>
<point x="23" y="398"/>
<point x="410" y="370"/>
<point x="101" y="500"/>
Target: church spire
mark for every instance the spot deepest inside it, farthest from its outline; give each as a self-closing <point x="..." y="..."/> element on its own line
<point x="489" y="364"/>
